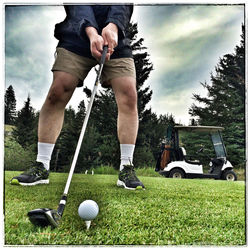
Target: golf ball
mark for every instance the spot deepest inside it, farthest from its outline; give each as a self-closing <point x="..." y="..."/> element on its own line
<point x="88" y="210"/>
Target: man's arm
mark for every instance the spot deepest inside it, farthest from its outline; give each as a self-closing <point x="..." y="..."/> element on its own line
<point x="120" y="15"/>
<point x="88" y="26"/>
<point x="84" y="16"/>
<point x="117" y="21"/>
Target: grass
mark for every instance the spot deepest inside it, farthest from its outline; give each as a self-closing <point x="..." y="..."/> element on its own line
<point x="150" y="171"/>
<point x="241" y="175"/>
<point x="169" y="212"/>
<point x="108" y="170"/>
<point x="8" y="128"/>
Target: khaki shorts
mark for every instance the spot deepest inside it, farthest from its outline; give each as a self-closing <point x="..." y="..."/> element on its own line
<point x="80" y="66"/>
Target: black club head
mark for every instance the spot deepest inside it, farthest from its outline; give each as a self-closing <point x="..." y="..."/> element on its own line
<point x="44" y="217"/>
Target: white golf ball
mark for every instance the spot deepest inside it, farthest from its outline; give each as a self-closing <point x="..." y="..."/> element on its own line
<point x="88" y="210"/>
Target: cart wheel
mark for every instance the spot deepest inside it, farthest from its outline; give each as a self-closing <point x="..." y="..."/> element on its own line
<point x="230" y="175"/>
<point x="176" y="173"/>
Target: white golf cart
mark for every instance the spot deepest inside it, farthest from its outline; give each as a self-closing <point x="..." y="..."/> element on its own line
<point x="173" y="161"/>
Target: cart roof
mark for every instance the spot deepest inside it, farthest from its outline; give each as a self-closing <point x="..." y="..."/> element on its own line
<point x="199" y="128"/>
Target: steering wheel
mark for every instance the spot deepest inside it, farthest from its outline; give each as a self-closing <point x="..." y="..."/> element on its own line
<point x="201" y="149"/>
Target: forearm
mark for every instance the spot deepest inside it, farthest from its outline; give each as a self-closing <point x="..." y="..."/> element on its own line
<point x="113" y="27"/>
<point x="91" y="32"/>
<point x="120" y="16"/>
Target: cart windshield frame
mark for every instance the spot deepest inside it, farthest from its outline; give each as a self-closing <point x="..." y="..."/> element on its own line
<point x="218" y="144"/>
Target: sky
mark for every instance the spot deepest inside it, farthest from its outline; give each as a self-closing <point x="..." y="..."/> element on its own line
<point x="185" y="43"/>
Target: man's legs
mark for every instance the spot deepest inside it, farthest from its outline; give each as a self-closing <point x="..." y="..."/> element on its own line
<point x="52" y="112"/>
<point x="126" y="98"/>
<point x="127" y="127"/>
<point x="50" y="125"/>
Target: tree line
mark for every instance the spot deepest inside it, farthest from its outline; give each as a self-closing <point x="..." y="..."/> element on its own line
<point x="224" y="106"/>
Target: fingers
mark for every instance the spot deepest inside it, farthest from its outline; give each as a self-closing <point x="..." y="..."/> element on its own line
<point x="96" y="51"/>
<point x="110" y="40"/>
<point x="110" y="37"/>
<point x="109" y="52"/>
<point x="96" y="47"/>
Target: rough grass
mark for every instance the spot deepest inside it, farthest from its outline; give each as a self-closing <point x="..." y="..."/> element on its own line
<point x="169" y="212"/>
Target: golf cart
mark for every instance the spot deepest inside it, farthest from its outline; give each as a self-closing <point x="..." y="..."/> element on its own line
<point x="173" y="161"/>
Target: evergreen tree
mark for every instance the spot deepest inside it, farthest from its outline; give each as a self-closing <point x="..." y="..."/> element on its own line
<point x="10" y="106"/>
<point x="88" y="155"/>
<point x="25" y="125"/>
<point x="80" y="115"/>
<point x="68" y="139"/>
<point x="65" y="146"/>
<point x="104" y="118"/>
<point x="225" y="103"/>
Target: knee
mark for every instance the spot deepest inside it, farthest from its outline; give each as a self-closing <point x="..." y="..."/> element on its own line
<point x="128" y="102"/>
<point x="60" y="91"/>
<point x="56" y="94"/>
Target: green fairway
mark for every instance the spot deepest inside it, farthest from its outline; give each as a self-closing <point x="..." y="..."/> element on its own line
<point x="168" y="212"/>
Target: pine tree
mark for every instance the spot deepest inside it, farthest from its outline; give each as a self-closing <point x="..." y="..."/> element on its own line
<point x="88" y="155"/>
<point x="104" y="118"/>
<point x="68" y="139"/>
<point x="225" y="103"/>
<point x="81" y="112"/>
<point x="66" y="142"/>
<point x="25" y="125"/>
<point x="10" y="106"/>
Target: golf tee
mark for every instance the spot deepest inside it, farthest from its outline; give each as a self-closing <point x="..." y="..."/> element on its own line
<point x="88" y="223"/>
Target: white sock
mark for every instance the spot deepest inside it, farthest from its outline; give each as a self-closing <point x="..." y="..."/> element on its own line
<point x="44" y="153"/>
<point x="127" y="152"/>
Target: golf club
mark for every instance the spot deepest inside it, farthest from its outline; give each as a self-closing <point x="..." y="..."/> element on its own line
<point x="48" y="217"/>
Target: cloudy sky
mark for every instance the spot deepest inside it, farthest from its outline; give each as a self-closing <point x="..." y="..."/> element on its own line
<point x="185" y="43"/>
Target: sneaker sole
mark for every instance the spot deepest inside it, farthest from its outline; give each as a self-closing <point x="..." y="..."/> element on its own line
<point x="16" y="182"/>
<point x="122" y="184"/>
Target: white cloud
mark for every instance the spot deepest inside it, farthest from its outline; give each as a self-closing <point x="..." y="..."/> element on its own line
<point x="192" y="22"/>
<point x="184" y="47"/>
<point x="30" y="51"/>
<point x="176" y="104"/>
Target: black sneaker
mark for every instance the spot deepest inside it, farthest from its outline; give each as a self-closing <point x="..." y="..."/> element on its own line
<point x="128" y="179"/>
<point x="37" y="174"/>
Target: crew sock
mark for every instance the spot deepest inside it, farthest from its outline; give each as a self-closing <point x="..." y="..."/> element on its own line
<point x="44" y="153"/>
<point x="127" y="152"/>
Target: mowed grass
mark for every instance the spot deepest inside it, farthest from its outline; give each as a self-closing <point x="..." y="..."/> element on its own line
<point x="169" y="212"/>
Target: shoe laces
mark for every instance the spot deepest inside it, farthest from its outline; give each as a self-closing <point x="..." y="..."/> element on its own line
<point x="36" y="169"/>
<point x="129" y="173"/>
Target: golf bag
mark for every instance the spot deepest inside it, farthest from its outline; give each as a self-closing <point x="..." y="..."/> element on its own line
<point x="167" y="153"/>
<point x="164" y="157"/>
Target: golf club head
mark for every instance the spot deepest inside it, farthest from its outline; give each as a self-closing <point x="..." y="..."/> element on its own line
<point x="44" y="217"/>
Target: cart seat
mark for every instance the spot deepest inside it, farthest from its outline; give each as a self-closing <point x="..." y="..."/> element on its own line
<point x="183" y="154"/>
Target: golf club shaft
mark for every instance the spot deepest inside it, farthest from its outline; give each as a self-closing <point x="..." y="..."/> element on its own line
<point x="78" y="147"/>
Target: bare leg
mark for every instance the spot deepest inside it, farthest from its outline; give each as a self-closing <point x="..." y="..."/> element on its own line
<point x="127" y="127"/>
<point x="49" y="127"/>
<point x="52" y="112"/>
<point x="126" y="98"/>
